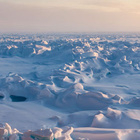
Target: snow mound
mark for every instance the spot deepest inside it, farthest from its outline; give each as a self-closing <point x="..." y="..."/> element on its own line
<point x="19" y="89"/>
<point x="115" y="119"/>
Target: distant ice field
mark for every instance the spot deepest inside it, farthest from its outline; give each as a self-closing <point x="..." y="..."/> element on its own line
<point x="77" y="80"/>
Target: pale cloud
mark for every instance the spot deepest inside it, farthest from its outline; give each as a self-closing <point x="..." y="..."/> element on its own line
<point x="45" y="3"/>
<point x="102" y="5"/>
<point x="114" y="5"/>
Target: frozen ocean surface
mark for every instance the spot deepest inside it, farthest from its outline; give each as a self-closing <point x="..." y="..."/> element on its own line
<point x="70" y="86"/>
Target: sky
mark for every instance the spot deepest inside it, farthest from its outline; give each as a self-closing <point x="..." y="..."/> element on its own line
<point x="69" y="16"/>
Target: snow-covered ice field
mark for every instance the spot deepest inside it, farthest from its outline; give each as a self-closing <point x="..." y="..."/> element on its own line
<point x="74" y="86"/>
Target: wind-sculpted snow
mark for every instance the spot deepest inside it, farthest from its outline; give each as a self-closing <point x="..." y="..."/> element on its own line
<point x="74" y="73"/>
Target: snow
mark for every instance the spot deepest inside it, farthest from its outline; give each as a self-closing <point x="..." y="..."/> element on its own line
<point x="105" y="134"/>
<point x="70" y="86"/>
